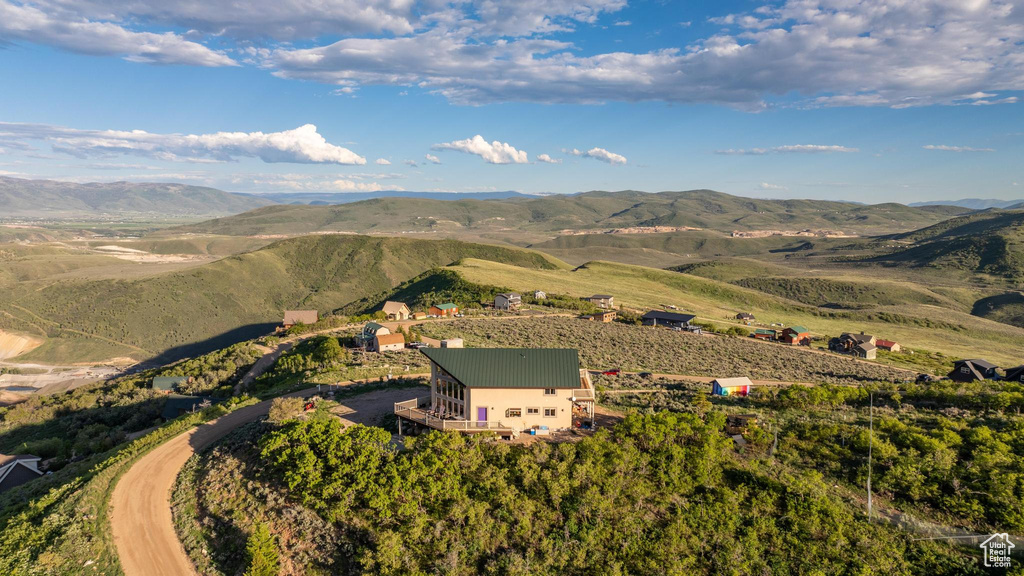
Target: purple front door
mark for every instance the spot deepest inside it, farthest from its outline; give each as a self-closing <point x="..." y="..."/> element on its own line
<point x="481" y="413"/>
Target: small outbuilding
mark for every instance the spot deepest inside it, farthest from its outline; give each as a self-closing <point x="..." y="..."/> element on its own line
<point x="738" y="386"/>
<point x="540" y="294"/>
<point x="866" y="351"/>
<point x="453" y="343"/>
<point x="888" y="345"/>
<point x="764" y="334"/>
<point x="293" y="317"/>
<point x="667" y="319"/>
<point x="389" y="342"/>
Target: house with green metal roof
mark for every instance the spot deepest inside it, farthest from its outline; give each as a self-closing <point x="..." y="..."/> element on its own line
<point x="446" y="309"/>
<point x="796" y="336"/>
<point x="507" y="390"/>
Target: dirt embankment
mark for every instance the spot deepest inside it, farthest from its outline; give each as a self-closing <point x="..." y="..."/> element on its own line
<point x="12" y="345"/>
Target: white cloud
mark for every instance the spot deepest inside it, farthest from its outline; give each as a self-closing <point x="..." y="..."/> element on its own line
<point x="492" y="152"/>
<point x="825" y="52"/>
<point x="432" y="159"/>
<point x="351" y="186"/>
<point x="788" y="149"/>
<point x="598" y="154"/>
<point x="548" y="159"/>
<point x="302" y="145"/>
<point x="412" y="163"/>
<point x="956" y="148"/>
<point x="28" y="23"/>
<point x="382" y="162"/>
<point x="623" y="23"/>
<point x="769" y="186"/>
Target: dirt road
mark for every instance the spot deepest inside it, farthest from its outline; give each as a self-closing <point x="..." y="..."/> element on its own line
<point x="140" y="508"/>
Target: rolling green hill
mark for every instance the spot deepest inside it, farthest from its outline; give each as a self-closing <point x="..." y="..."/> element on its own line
<point x="183" y="313"/>
<point x="591" y="210"/>
<point x="989" y="242"/>
<point x="49" y="198"/>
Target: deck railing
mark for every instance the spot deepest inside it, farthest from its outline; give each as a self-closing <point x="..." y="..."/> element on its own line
<point x="413" y="410"/>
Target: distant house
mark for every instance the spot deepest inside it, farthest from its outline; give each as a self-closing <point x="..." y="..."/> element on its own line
<point x="796" y="336"/>
<point x="971" y="370"/>
<point x="453" y="343"/>
<point x="168" y="384"/>
<point x="419" y="315"/>
<point x="396" y="310"/>
<point x="601" y="300"/>
<point x="17" y="470"/>
<point x="1015" y="374"/>
<point x="667" y="319"/>
<point x="293" y="317"/>
<point x="745" y="316"/>
<point x="888" y="345"/>
<point x="508" y="301"/>
<point x="540" y="294"/>
<point x="765" y="334"/>
<point x="446" y="309"/>
<point x="388" y="342"/>
<point x="865" y="350"/>
<point x="739" y="386"/>
<point x="602" y="316"/>
<point x="505" y="390"/>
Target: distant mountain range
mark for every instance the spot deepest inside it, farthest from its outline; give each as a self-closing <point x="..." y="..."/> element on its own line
<point x="22" y="198"/>
<point x="326" y="198"/>
<point x="975" y="203"/>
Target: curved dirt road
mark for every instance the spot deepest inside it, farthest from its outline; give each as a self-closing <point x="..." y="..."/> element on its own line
<point x="140" y="508"/>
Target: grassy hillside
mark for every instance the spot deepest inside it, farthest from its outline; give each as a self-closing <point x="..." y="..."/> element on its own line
<point x="592" y="210"/>
<point x="182" y="313"/>
<point x="916" y="324"/>
<point x="48" y="198"/>
<point x="1007" y="308"/>
<point x="990" y="242"/>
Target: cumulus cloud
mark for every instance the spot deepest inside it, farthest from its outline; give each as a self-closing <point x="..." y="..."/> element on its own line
<point x="598" y="154"/>
<point x="492" y="152"/>
<point x="28" y="23"/>
<point x="945" y="148"/>
<point x="412" y="163"/>
<point x="382" y="162"/>
<point x="788" y="149"/>
<point x="548" y="159"/>
<point x="770" y="186"/>
<point x="432" y="159"/>
<point x="302" y="145"/>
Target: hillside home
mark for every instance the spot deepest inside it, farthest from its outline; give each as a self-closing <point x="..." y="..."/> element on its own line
<point x="601" y="300"/>
<point x="602" y="316"/>
<point x="446" y="309"/>
<point x="738" y="386"/>
<point x="745" y="316"/>
<point x="508" y="301"/>
<point x="848" y="342"/>
<point x="667" y="319"/>
<point x="419" y="315"/>
<point x="453" y="343"/>
<point x="168" y="384"/>
<point x="373" y="329"/>
<point x="765" y="334"/>
<point x="17" y="470"/>
<point x="1015" y="374"/>
<point x="505" y="390"/>
<point x="293" y="317"/>
<point x="396" y="310"/>
<point x="796" y="336"/>
<point x="971" y="370"/>
<point x="866" y="351"/>
<point x="388" y="342"/>
<point x="540" y="294"/>
<point x="888" y="345"/>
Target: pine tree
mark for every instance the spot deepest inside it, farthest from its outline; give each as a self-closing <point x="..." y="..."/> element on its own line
<point x="262" y="550"/>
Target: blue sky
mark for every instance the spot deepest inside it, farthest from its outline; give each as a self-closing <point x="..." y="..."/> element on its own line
<point x="868" y="101"/>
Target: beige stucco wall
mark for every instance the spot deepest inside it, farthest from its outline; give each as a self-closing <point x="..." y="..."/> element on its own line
<point x="498" y="400"/>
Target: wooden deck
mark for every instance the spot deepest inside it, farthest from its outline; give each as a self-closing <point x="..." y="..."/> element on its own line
<point x="416" y="411"/>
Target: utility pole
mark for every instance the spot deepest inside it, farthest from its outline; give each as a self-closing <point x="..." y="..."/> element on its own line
<point x="871" y="441"/>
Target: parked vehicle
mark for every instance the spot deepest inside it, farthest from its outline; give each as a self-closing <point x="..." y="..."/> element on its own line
<point x="416" y="345"/>
<point x="646" y="375"/>
<point x="612" y="372"/>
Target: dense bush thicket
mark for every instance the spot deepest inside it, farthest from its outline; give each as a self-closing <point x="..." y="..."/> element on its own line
<point x="639" y="348"/>
<point x="659" y="494"/>
<point x="216" y="372"/>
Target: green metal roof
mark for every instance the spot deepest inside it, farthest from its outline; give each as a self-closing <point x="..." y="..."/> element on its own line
<point x="372" y="328"/>
<point x="446" y="306"/>
<point x="763" y="331"/>
<point x="798" y="329"/>
<point x="509" y="367"/>
<point x="168" y="382"/>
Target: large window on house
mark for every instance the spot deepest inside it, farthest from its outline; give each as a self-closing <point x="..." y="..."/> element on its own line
<point x="549" y="392"/>
<point x="514" y="413"/>
<point x="550" y="412"/>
